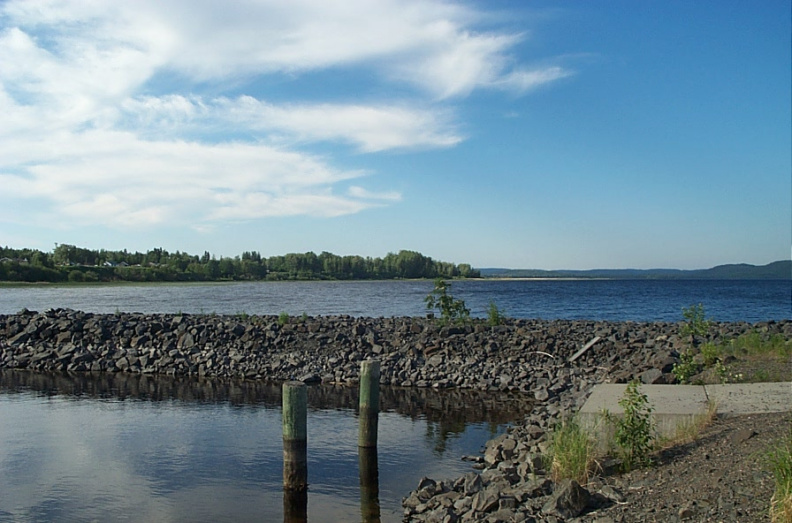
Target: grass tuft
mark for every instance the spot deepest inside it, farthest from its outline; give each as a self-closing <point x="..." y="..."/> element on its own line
<point x="571" y="453"/>
<point x="780" y="460"/>
<point x="689" y="431"/>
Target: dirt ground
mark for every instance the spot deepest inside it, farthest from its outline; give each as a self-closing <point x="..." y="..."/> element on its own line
<point x="720" y="477"/>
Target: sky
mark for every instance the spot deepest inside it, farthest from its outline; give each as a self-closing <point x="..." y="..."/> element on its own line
<point x="516" y="134"/>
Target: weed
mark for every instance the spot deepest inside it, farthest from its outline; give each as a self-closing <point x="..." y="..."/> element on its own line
<point x="686" y="368"/>
<point x="283" y="318"/>
<point x="754" y="344"/>
<point x="243" y="316"/>
<point x="711" y="353"/>
<point x="635" y="433"/>
<point x="752" y="357"/>
<point x="760" y="375"/>
<point x="688" y="431"/>
<point x="571" y="453"/>
<point x="696" y="325"/>
<point x="779" y="458"/>
<point x="721" y="371"/>
<point x="451" y="310"/>
<point x="494" y="315"/>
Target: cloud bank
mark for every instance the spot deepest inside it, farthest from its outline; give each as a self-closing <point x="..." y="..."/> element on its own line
<point x="147" y="112"/>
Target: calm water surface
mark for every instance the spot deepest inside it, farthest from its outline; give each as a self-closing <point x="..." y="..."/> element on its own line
<point x="614" y="300"/>
<point x="137" y="448"/>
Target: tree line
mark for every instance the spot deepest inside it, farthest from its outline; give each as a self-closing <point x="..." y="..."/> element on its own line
<point x="77" y="264"/>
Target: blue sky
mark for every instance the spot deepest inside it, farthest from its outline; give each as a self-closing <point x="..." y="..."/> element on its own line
<point x="521" y="134"/>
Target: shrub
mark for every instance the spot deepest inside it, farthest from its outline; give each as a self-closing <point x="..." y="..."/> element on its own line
<point x="635" y="433"/>
<point x="686" y="368"/>
<point x="571" y="453"/>
<point x="451" y="310"/>
<point x="494" y="315"/>
<point x="283" y="318"/>
<point x="696" y="325"/>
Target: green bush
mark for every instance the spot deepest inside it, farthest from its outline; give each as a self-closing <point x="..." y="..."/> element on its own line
<point x="494" y="315"/>
<point x="283" y="318"/>
<point x="635" y="433"/>
<point x="451" y="310"/>
<point x="696" y="325"/>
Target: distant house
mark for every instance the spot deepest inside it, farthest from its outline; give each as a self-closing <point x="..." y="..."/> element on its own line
<point x="109" y="264"/>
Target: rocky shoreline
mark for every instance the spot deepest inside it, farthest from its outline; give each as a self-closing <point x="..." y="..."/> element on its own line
<point x="531" y="357"/>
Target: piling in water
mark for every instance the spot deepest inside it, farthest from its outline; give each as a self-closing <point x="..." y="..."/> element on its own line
<point x="295" y="436"/>
<point x="369" y="403"/>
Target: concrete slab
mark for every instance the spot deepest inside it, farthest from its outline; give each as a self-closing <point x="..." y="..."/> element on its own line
<point x="735" y="399"/>
<point x="673" y="405"/>
<point x="683" y="405"/>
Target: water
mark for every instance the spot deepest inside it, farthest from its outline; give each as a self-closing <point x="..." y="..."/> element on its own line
<point x="138" y="448"/>
<point x="613" y="300"/>
<point x="118" y="447"/>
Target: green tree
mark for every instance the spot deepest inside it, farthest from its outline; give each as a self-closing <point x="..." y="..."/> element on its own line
<point x="451" y="310"/>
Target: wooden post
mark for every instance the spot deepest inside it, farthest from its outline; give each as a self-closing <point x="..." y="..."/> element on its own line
<point x="369" y="484"/>
<point x="295" y="506"/>
<point x="295" y="436"/>
<point x="369" y="403"/>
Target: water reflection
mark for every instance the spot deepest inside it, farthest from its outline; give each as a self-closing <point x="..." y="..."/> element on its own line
<point x="369" y="484"/>
<point x="447" y="412"/>
<point x="295" y="506"/>
<point x="107" y="446"/>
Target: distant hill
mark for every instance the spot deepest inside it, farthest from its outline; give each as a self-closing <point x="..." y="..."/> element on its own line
<point x="780" y="270"/>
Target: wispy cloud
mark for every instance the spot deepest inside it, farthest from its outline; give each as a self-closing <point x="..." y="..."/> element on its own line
<point x="370" y="128"/>
<point x="142" y="113"/>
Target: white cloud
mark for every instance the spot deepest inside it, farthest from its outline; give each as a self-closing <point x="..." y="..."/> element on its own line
<point x="124" y="181"/>
<point x="360" y="192"/>
<point x="90" y="129"/>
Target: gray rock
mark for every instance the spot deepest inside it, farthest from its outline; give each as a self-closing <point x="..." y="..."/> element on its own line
<point x="652" y="376"/>
<point x="568" y="500"/>
<point x="486" y="500"/>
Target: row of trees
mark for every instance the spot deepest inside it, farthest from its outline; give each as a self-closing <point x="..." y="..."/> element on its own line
<point x="71" y="263"/>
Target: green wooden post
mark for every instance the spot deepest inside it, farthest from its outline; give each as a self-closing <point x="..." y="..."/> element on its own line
<point x="369" y="403"/>
<point x="295" y="436"/>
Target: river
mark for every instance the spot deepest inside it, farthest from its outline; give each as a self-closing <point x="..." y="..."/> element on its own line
<point x="613" y="300"/>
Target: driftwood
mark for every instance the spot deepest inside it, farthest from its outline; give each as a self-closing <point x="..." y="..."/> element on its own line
<point x="586" y="347"/>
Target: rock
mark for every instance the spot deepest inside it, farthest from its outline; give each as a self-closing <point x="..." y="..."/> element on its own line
<point x="541" y="394"/>
<point x="688" y="510"/>
<point x="742" y="435"/>
<point x="612" y="494"/>
<point x="472" y="484"/>
<point x="310" y="378"/>
<point x="486" y="500"/>
<point x="568" y="500"/>
<point x="652" y="376"/>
